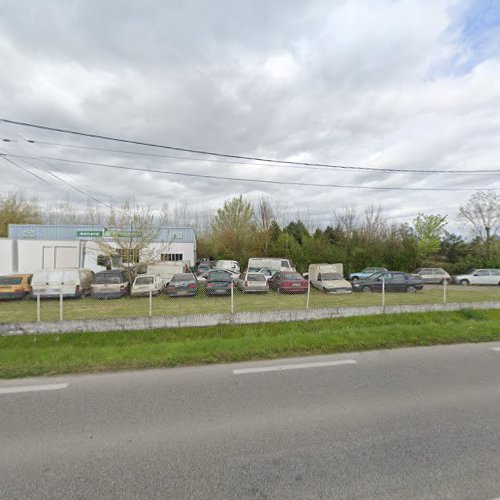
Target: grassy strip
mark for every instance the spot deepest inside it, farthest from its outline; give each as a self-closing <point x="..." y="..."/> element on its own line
<point x="90" y="352"/>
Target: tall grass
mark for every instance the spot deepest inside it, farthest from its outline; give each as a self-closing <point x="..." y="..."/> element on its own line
<point x="89" y="352"/>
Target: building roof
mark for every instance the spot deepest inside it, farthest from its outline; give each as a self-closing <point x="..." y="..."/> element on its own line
<point x="77" y="232"/>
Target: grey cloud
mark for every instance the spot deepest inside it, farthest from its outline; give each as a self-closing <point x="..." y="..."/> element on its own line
<point x="351" y="83"/>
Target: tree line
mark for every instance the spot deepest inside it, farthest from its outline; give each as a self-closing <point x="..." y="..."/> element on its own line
<point x="356" y="236"/>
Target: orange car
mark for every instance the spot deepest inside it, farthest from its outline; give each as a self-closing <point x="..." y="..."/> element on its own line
<point x="15" y="286"/>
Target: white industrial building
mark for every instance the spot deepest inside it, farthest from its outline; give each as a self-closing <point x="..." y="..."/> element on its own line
<point x="31" y="247"/>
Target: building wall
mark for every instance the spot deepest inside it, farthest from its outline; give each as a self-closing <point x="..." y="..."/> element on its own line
<point x="33" y="255"/>
<point x="6" y="256"/>
<point x="37" y="246"/>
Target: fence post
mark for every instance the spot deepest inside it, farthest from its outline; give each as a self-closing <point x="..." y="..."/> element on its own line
<point x="308" y="292"/>
<point x="38" y="307"/>
<point x="61" y="306"/>
<point x="445" y="283"/>
<point x="383" y="292"/>
<point x="232" y="296"/>
<point x="150" y="303"/>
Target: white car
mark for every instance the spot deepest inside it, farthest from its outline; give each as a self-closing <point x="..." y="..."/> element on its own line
<point x="145" y="283"/>
<point x="479" y="277"/>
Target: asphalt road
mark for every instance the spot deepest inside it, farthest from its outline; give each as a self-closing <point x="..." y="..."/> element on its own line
<point x="408" y="423"/>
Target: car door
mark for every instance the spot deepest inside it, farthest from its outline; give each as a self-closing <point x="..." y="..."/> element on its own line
<point x="384" y="279"/>
<point x="494" y="277"/>
<point x="481" y="277"/>
<point x="427" y="275"/>
<point x="399" y="282"/>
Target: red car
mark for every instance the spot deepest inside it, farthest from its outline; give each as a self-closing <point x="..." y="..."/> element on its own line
<point x="288" y="282"/>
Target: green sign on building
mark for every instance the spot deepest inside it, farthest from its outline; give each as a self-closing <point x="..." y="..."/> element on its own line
<point x="89" y="234"/>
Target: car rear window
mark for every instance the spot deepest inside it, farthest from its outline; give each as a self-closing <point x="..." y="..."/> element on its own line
<point x="101" y="279"/>
<point x="256" y="277"/>
<point x="221" y="275"/>
<point x="182" y="277"/>
<point x="145" y="280"/>
<point x="292" y="276"/>
<point x="10" y="280"/>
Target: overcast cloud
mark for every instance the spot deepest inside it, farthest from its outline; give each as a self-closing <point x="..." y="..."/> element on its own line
<point x="390" y="84"/>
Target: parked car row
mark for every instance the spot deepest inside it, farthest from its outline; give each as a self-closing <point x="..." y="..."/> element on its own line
<point x="328" y="278"/>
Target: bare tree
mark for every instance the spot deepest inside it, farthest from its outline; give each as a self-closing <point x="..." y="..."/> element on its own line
<point x="265" y="215"/>
<point x="133" y="235"/>
<point x="347" y="219"/>
<point x="373" y="224"/>
<point x="482" y="214"/>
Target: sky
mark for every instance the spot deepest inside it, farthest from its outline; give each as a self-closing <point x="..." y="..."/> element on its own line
<point x="392" y="84"/>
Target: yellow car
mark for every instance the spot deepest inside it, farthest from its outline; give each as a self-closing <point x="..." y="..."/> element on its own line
<point x="15" y="286"/>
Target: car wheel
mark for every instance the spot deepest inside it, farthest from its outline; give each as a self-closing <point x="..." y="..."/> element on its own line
<point x="354" y="278"/>
<point x="411" y="289"/>
<point x="366" y="289"/>
<point x="464" y="282"/>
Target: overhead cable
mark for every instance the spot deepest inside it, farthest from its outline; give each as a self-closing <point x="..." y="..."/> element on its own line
<point x="233" y="156"/>
<point x="242" y="179"/>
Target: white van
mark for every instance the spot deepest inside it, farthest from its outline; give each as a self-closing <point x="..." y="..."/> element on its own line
<point x="50" y="283"/>
<point x="276" y="264"/>
<point x="231" y="265"/>
<point x="329" y="278"/>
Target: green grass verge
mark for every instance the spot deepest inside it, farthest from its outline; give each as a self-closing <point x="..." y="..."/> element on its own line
<point x="89" y="308"/>
<point x="91" y="352"/>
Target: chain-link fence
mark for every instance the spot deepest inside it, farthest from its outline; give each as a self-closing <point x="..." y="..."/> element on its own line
<point x="202" y="300"/>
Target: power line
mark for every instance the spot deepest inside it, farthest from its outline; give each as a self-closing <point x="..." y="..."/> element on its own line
<point x="22" y="168"/>
<point x="299" y="166"/>
<point x="240" y="179"/>
<point x="81" y="191"/>
<point x="238" y="157"/>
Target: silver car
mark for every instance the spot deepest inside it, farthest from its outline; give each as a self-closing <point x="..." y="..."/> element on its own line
<point x="433" y="275"/>
<point x="252" y="282"/>
<point x="479" y="277"/>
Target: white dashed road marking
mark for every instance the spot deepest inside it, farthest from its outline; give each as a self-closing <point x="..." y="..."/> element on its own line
<point x="32" y="388"/>
<point x="496" y="348"/>
<point x="278" y="368"/>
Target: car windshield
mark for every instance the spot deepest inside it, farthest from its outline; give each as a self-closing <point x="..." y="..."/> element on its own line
<point x="375" y="275"/>
<point x="292" y="276"/>
<point x="331" y="276"/>
<point x="10" y="280"/>
<point x="144" y="280"/>
<point x="182" y="277"/>
<point x="108" y="279"/>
